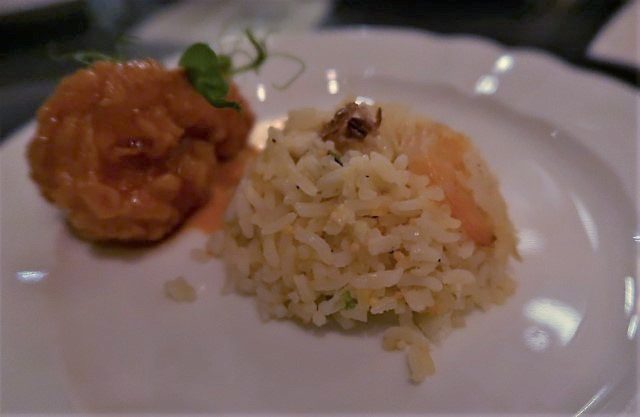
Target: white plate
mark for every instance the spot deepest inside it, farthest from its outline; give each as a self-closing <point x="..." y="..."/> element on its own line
<point x="97" y="334"/>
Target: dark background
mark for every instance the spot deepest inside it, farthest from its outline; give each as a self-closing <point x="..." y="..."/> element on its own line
<point x="28" y="74"/>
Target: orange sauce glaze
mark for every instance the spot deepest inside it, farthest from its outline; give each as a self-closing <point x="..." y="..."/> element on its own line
<point x="210" y="217"/>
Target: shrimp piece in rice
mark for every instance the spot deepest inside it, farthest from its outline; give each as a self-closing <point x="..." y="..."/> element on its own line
<point x="438" y="152"/>
<point x="433" y="150"/>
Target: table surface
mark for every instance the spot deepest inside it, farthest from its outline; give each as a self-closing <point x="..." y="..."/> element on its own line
<point x="28" y="74"/>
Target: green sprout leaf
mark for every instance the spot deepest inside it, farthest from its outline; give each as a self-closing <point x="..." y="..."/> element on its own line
<point x="302" y="67"/>
<point x="208" y="74"/>
<point x="348" y="300"/>
<point x="260" y="56"/>
<point x="89" y="56"/>
<point x="84" y="57"/>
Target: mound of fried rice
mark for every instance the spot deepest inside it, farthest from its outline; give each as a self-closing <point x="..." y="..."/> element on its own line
<point x="320" y="232"/>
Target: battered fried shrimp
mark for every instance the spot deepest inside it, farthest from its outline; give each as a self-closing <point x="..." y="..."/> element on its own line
<point x="128" y="150"/>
